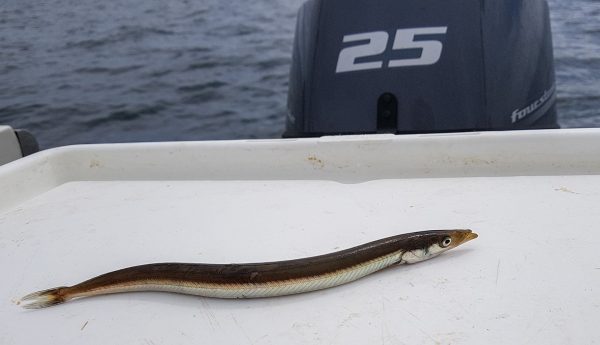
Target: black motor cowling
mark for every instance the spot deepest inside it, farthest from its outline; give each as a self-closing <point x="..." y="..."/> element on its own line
<point x="415" y="66"/>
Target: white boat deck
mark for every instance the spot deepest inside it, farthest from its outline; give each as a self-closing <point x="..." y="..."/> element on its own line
<point x="532" y="276"/>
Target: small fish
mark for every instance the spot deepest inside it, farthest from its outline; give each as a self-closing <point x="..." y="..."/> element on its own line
<point x="267" y="279"/>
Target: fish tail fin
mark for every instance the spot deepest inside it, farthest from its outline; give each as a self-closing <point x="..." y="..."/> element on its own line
<point x="45" y="298"/>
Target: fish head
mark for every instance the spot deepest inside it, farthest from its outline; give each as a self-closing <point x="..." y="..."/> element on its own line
<point x="429" y="244"/>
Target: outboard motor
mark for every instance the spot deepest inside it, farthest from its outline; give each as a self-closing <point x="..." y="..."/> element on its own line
<point x="416" y="66"/>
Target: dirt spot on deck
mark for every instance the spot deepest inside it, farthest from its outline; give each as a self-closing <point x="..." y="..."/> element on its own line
<point x="316" y="162"/>
<point x="94" y="163"/>
<point x="566" y="190"/>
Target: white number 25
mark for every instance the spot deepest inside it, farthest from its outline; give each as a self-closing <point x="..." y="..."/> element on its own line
<point x="377" y="43"/>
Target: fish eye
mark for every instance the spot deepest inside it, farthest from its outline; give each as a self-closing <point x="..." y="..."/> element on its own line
<point x="446" y="242"/>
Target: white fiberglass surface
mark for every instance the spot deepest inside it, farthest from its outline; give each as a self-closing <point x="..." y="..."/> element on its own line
<point x="530" y="277"/>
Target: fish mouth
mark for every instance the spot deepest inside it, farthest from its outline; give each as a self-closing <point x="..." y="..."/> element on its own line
<point x="464" y="236"/>
<point x="470" y="236"/>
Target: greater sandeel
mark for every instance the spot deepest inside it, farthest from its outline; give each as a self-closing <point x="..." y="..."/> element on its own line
<point x="386" y="75"/>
